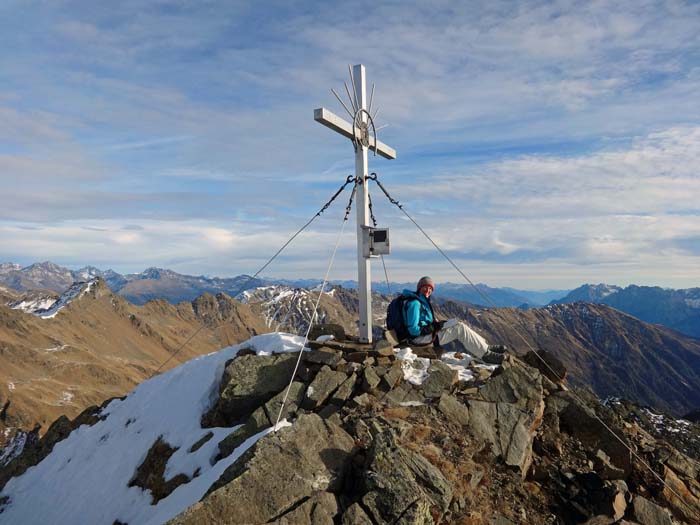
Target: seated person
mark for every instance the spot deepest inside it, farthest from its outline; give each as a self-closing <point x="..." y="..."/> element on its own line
<point x="424" y="329"/>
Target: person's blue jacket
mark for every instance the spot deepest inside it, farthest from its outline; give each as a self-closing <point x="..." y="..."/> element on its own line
<point x="419" y="314"/>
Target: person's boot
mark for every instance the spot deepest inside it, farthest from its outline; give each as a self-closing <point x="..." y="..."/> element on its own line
<point x="499" y="349"/>
<point x="492" y="358"/>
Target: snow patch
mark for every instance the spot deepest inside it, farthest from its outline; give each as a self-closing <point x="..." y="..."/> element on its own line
<point x="14" y="448"/>
<point x="34" y="305"/>
<point x="415" y="369"/>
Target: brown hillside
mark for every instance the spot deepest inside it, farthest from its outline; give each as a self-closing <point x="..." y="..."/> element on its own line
<point x="613" y="353"/>
<point x="100" y="346"/>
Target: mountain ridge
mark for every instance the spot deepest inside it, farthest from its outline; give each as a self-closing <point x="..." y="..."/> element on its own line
<point x="676" y="309"/>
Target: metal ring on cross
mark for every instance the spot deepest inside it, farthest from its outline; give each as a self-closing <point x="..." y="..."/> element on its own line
<point x="363" y="125"/>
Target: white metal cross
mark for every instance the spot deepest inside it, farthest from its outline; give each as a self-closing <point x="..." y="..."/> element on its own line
<point x="357" y="131"/>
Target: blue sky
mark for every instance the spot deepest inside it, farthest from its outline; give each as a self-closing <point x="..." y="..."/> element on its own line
<point x="542" y="144"/>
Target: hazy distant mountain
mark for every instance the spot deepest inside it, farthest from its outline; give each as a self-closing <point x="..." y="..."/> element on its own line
<point x="588" y="293"/>
<point x="155" y="283"/>
<point x="174" y="287"/>
<point x="485" y="296"/>
<point x="677" y="309"/>
<point x="38" y="276"/>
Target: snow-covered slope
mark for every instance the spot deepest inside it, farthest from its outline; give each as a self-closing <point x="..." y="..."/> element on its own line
<point x="286" y="308"/>
<point x="85" y="479"/>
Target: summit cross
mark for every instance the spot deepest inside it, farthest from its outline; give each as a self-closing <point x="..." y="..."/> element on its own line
<point x="358" y="131"/>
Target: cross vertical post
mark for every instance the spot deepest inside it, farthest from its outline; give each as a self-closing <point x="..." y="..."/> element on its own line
<point x="358" y="132"/>
<point x="364" y="281"/>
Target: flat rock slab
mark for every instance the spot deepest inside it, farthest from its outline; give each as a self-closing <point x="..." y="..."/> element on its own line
<point x="278" y="474"/>
<point x="344" y="346"/>
<point x="323" y="356"/>
<point x="454" y="409"/>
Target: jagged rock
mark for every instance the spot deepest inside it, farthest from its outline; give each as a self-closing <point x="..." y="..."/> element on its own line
<point x="263" y="417"/>
<point x="364" y="400"/>
<point x="392" y="377"/>
<point x="649" y="513"/>
<point x="345" y="390"/>
<point x="678" y="461"/>
<point x="604" y="468"/>
<point x="370" y="379"/>
<point x="580" y="422"/>
<point x="509" y="410"/>
<point x="401" y="486"/>
<point x="199" y="443"/>
<point x="688" y="504"/>
<point x="454" y="410"/>
<point x="319" y="509"/>
<point x="323" y="385"/>
<point x="440" y="379"/>
<point x="403" y="394"/>
<point x="383" y="347"/>
<point x="336" y="330"/>
<point x="618" y="500"/>
<point x="507" y="428"/>
<point x="323" y="356"/>
<point x="150" y="473"/>
<point x="549" y="365"/>
<point x="278" y="474"/>
<point x="248" y="382"/>
<point x="519" y="385"/>
<point x="355" y="516"/>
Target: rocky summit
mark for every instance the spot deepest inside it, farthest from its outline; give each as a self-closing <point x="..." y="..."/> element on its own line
<point x="368" y="435"/>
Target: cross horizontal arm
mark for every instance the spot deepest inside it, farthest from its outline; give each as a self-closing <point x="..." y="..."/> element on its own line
<point x="334" y="122"/>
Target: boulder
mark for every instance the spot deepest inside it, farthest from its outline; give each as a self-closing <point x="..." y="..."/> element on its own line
<point x="336" y="330"/>
<point x="440" y="379"/>
<point x="324" y="384"/>
<point x="248" y="382"/>
<point x="582" y="423"/>
<point x="277" y="475"/>
<point x="400" y="484"/>
<point x="519" y="385"/>
<point x="392" y="377"/>
<point x="263" y="417"/>
<point x="345" y="390"/>
<point x="506" y="428"/>
<point x="547" y="363"/>
<point x="355" y="516"/>
<point x="649" y="513"/>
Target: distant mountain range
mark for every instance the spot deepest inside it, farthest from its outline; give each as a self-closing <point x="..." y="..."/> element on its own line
<point x="155" y="283"/>
<point x="677" y="309"/>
